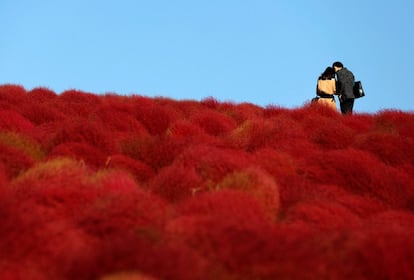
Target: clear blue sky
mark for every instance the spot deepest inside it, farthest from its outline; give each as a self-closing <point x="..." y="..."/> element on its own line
<point x="266" y="52"/>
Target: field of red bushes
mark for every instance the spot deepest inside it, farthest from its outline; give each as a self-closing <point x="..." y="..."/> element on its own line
<point x="131" y="187"/>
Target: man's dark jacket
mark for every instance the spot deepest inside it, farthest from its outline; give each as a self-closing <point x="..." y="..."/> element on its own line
<point x="345" y="83"/>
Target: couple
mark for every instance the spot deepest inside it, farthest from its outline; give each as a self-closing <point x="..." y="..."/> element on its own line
<point x="342" y="86"/>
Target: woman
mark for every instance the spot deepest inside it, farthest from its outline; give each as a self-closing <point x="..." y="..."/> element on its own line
<point x="326" y="88"/>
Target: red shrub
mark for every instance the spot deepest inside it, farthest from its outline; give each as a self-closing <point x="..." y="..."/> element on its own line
<point x="251" y="135"/>
<point x="41" y="106"/>
<point x="186" y="129"/>
<point x="41" y="113"/>
<point x="213" y="163"/>
<point x="394" y="121"/>
<point x="287" y="135"/>
<point x="187" y="108"/>
<point x="12" y="94"/>
<point x="391" y="148"/>
<point x="323" y="215"/>
<point x="138" y="169"/>
<point x="122" y="206"/>
<point x="328" y="133"/>
<point x="155" y="151"/>
<point x="392" y="219"/>
<point x="39" y="234"/>
<point x="387" y="249"/>
<point x="310" y="111"/>
<point x="153" y="116"/>
<point x="84" y="131"/>
<point x="75" y="103"/>
<point x="13" y="121"/>
<point x="361" y="173"/>
<point x="23" y="143"/>
<point x="279" y="164"/>
<point x="39" y="245"/>
<point x="118" y="121"/>
<point x="222" y="226"/>
<point x="359" y="123"/>
<point x="84" y="152"/>
<point x="213" y="122"/>
<point x="14" y="160"/>
<point x="363" y="206"/>
<point x="59" y="183"/>
<point x="176" y="182"/>
<point x="274" y="111"/>
<point x="210" y="102"/>
<point x="243" y="112"/>
<point x="259" y="184"/>
<point x="41" y="94"/>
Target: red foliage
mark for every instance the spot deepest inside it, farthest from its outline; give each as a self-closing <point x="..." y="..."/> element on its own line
<point x="138" y="169"/>
<point x="132" y="187"/>
<point x="176" y="182"/>
<point x="155" y="117"/>
<point x="213" y="163"/>
<point x="12" y="121"/>
<point x="243" y="112"/>
<point x="221" y="225"/>
<point x="118" y="121"/>
<point x="14" y="160"/>
<point x="41" y="113"/>
<point x="155" y="151"/>
<point x="323" y="215"/>
<point x="41" y="94"/>
<point x="213" y="122"/>
<point x="84" y="152"/>
<point x="40" y="107"/>
<point x="361" y="173"/>
<point x="84" y="131"/>
<point x="75" y="103"/>
<point x="12" y="94"/>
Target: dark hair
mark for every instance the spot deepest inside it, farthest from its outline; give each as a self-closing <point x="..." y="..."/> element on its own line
<point x="338" y="64"/>
<point x="328" y="74"/>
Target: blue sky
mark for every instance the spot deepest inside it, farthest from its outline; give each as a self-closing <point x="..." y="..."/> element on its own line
<point x="266" y="52"/>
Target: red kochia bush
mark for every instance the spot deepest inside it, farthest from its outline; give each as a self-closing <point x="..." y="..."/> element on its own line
<point x="41" y="113"/>
<point x="213" y="122"/>
<point x="391" y="148"/>
<point x="14" y="160"/>
<point x="122" y="187"/>
<point x="213" y="163"/>
<point x="87" y="153"/>
<point x="219" y="225"/>
<point x="41" y="94"/>
<point x="119" y="121"/>
<point x="12" y="121"/>
<point x="323" y="215"/>
<point x="361" y="173"/>
<point x="259" y="184"/>
<point x="136" y="168"/>
<point x="12" y="94"/>
<point x="41" y="106"/>
<point x="176" y="182"/>
<point x="155" y="151"/>
<point x="77" y="103"/>
<point x="387" y="239"/>
<point x="190" y="133"/>
<point x="84" y="131"/>
<point x="154" y="117"/>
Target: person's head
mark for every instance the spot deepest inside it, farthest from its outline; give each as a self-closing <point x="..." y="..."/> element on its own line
<point x="337" y="66"/>
<point x="329" y="73"/>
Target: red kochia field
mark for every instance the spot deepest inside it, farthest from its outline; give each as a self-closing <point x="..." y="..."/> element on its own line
<point x="131" y="187"/>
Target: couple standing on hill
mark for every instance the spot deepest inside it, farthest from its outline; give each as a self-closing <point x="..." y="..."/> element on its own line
<point x="336" y="80"/>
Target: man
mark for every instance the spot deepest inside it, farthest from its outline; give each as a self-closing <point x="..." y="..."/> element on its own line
<point x="344" y="88"/>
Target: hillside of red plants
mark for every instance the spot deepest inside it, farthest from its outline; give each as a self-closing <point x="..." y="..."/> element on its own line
<point x="131" y="187"/>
